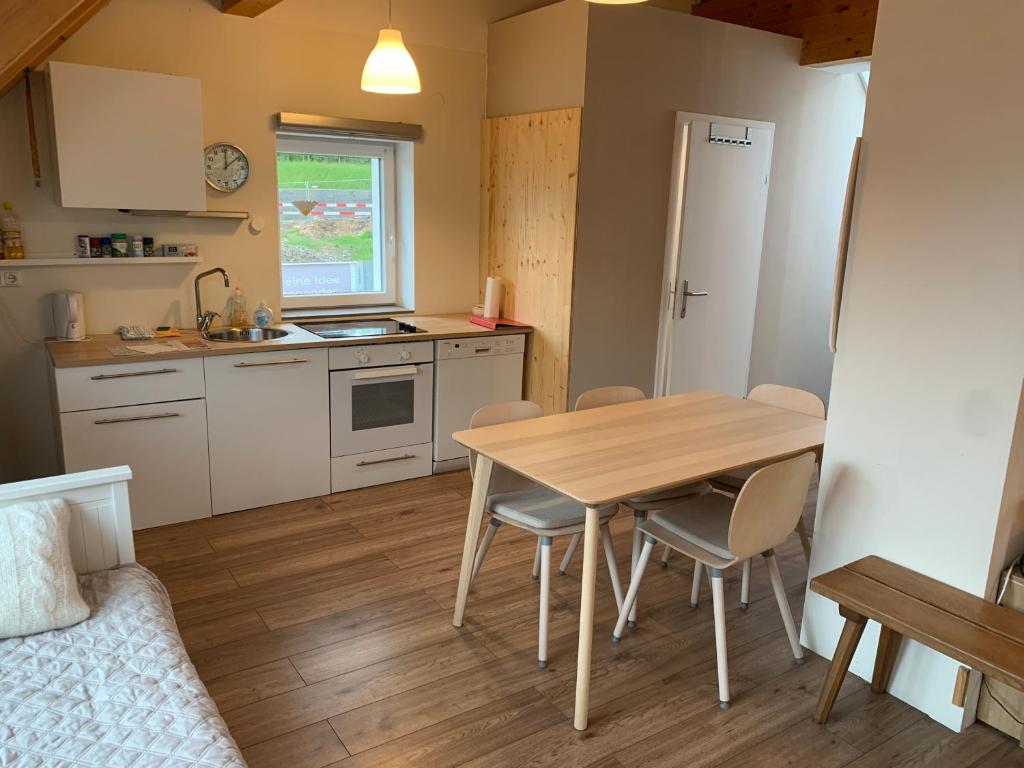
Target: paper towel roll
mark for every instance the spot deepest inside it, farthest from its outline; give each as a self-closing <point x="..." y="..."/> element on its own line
<point x="492" y="297"/>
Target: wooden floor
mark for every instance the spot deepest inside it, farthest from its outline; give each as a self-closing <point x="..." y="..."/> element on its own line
<point x="323" y="630"/>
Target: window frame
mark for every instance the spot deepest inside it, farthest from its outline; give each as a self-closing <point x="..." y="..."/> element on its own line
<point x="385" y="199"/>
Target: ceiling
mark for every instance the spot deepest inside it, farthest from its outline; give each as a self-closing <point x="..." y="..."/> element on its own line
<point x="458" y="24"/>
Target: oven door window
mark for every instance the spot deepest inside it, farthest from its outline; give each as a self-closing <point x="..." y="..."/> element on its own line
<point x="379" y="404"/>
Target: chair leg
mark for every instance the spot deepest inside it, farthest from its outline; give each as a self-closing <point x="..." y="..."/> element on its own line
<point x="536" y="561"/>
<point x="545" y="596"/>
<point x="718" y="599"/>
<point x="805" y="539"/>
<point x="481" y="553"/>
<point x="664" y="556"/>
<point x="780" y="597"/>
<point x="698" y="570"/>
<point x="634" y="587"/>
<point x="613" y="569"/>
<point x="569" y="552"/>
<point x="638" y="517"/>
<point x="745" y="585"/>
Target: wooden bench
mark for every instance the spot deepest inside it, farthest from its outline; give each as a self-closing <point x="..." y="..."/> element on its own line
<point x="979" y="634"/>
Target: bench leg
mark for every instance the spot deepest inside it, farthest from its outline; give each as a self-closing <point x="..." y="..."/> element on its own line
<point x="888" y="647"/>
<point x="848" y="640"/>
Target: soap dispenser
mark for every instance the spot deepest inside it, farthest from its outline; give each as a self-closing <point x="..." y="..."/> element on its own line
<point x="263" y="315"/>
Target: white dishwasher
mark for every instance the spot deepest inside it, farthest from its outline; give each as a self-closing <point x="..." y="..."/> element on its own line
<point x="468" y="374"/>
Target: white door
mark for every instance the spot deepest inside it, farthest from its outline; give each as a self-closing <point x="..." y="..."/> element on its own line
<point x="269" y="424"/>
<point x="713" y="254"/>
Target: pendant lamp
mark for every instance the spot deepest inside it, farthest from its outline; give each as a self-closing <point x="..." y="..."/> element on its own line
<point x="389" y="68"/>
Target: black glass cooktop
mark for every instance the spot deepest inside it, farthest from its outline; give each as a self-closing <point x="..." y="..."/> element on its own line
<point x="343" y="329"/>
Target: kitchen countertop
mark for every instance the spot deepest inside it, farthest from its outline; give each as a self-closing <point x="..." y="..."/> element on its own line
<point x="65" y="354"/>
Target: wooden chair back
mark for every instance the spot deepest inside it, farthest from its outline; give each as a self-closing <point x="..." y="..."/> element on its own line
<point x="769" y="506"/>
<point x="502" y="479"/>
<point x="602" y="396"/>
<point x="790" y="398"/>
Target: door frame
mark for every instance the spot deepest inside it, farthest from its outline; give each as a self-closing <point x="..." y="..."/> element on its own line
<point x="674" y="232"/>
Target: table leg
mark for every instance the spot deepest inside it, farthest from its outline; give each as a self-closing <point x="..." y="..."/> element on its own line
<point x="837" y="670"/>
<point x="589" y="587"/>
<point x="481" y="481"/>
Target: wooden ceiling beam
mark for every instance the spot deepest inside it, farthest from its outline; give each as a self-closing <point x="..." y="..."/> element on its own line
<point x="831" y="30"/>
<point x="249" y="8"/>
<point x="30" y="30"/>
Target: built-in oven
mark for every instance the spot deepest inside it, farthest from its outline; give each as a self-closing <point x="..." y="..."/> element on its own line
<point x="381" y="398"/>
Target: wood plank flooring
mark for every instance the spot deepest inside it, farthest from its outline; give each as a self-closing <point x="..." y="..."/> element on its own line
<point x="322" y="629"/>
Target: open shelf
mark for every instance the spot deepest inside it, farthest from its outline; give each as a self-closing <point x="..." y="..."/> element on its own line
<point x="121" y="261"/>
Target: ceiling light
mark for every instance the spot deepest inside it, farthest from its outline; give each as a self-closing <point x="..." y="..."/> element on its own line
<point x="389" y="68"/>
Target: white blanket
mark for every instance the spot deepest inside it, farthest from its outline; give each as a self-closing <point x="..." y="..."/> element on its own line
<point x="116" y="691"/>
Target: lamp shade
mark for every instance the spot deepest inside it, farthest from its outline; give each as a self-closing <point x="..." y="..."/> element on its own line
<point x="389" y="68"/>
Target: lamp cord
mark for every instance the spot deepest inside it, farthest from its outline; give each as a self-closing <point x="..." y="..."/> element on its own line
<point x="389" y="14"/>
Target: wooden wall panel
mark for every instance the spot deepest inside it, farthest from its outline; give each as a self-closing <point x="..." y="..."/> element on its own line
<point x="529" y="172"/>
<point x="30" y="30"/>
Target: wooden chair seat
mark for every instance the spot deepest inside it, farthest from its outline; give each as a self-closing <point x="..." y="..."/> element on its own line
<point x="979" y="634"/>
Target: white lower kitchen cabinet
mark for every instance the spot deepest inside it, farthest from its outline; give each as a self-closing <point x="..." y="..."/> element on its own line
<point x="163" y="443"/>
<point x="269" y="427"/>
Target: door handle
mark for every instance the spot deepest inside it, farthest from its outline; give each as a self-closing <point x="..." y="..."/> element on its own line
<point x="404" y="457"/>
<point x="138" y="418"/>
<point x="295" y="361"/>
<point x="131" y="374"/>
<point x="386" y="373"/>
<point x="686" y="294"/>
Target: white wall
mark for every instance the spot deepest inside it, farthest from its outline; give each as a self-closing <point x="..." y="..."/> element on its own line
<point x="643" y="65"/>
<point x="250" y="69"/>
<point x="927" y="380"/>
<point x="538" y="61"/>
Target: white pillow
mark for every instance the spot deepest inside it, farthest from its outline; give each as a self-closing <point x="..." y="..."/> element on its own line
<point x="38" y="586"/>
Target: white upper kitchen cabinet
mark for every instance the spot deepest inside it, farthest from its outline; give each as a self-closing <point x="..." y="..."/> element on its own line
<point x="269" y="427"/>
<point x="126" y="139"/>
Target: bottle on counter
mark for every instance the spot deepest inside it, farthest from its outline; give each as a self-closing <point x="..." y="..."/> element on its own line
<point x="10" y="233"/>
<point x="263" y="315"/>
<point x="148" y="249"/>
<point x="95" y="247"/>
<point x="238" y="315"/>
<point x="106" y="249"/>
<point x="137" y="247"/>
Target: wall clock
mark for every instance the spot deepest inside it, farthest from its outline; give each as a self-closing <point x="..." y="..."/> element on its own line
<point x="226" y="165"/>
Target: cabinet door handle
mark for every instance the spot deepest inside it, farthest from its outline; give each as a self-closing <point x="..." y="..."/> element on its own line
<point x="386" y="461"/>
<point x="157" y="372"/>
<point x="138" y="418"/>
<point x="295" y="361"/>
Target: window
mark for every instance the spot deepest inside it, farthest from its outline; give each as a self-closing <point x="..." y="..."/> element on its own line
<point x="337" y="206"/>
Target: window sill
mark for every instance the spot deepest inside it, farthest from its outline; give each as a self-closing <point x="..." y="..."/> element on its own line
<point x="293" y="315"/>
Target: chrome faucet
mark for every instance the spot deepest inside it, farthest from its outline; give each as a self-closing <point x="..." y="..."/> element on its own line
<point x="203" y="319"/>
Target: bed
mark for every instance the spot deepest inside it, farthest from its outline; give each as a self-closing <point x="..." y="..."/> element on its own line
<point x="118" y="689"/>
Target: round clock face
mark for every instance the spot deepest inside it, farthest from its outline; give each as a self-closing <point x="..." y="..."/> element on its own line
<point x="227" y="167"/>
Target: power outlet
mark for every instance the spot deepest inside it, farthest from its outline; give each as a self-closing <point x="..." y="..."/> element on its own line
<point x="10" y="279"/>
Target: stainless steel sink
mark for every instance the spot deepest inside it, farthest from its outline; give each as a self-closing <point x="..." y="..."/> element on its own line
<point x="249" y="335"/>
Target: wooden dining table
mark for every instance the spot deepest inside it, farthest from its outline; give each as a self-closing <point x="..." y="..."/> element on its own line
<point x="606" y="455"/>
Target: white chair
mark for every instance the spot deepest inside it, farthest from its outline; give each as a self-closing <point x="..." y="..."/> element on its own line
<point x="792" y="399"/>
<point x="517" y="501"/>
<point x="641" y="505"/>
<point x="718" y="532"/>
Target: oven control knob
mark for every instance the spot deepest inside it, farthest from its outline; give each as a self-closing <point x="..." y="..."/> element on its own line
<point x="362" y="357"/>
<point x="405" y="354"/>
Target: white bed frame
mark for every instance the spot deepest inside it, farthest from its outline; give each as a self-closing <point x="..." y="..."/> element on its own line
<point x="101" y="521"/>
